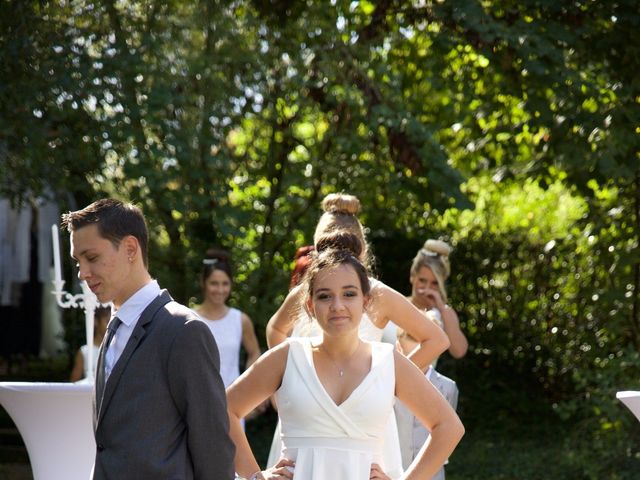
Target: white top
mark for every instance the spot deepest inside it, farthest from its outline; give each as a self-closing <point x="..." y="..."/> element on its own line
<point x="306" y="327"/>
<point x="227" y="332"/>
<point x="129" y="314"/>
<point x="330" y="441"/>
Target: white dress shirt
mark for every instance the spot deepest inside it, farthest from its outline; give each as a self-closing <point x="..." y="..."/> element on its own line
<point x="129" y="314"/>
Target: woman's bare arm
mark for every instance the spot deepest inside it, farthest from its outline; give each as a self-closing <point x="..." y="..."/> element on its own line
<point x="432" y="410"/>
<point x="249" y="340"/>
<point x="251" y="388"/>
<point x="77" y="373"/>
<point x="390" y="305"/>
<point x="451" y="324"/>
<point x="281" y="323"/>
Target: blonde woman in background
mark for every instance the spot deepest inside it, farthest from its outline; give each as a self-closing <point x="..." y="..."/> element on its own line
<point x="429" y="272"/>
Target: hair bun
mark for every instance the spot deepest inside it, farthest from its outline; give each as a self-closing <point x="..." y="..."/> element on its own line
<point x="340" y="240"/>
<point x="437" y="246"/>
<point x="217" y="254"/>
<point x="341" y="203"/>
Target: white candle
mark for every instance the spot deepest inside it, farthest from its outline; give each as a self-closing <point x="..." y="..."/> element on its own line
<point x="56" y="254"/>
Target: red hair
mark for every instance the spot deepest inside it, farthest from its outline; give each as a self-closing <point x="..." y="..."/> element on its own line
<point x="302" y="259"/>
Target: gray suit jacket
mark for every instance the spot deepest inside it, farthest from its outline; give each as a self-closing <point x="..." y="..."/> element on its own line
<point x="163" y="414"/>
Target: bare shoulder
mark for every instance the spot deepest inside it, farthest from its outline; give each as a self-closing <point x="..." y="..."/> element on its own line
<point x="385" y="302"/>
<point x="272" y="362"/>
<point x="277" y="353"/>
<point x="382" y="291"/>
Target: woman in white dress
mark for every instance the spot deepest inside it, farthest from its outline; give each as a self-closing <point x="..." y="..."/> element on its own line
<point x="231" y="328"/>
<point x="429" y="271"/>
<point x="335" y="392"/>
<point x="340" y="216"/>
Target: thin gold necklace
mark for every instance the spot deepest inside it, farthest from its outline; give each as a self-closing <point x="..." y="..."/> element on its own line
<point x="347" y="361"/>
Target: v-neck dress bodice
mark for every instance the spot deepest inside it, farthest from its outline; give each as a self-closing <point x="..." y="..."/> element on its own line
<point x="330" y="441"/>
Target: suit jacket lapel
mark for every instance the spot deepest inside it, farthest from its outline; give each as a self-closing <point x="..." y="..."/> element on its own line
<point x="136" y="337"/>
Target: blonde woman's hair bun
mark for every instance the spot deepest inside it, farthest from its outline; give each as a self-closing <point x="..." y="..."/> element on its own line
<point x="434" y="255"/>
<point x="437" y="246"/>
<point x="341" y="203"/>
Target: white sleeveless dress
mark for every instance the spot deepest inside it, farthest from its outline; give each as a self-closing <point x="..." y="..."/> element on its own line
<point x="330" y="441"/>
<point x="307" y="327"/>
<point x="228" y="334"/>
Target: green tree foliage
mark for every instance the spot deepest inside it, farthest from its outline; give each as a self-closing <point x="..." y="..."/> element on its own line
<point x="510" y="128"/>
<point x="546" y="306"/>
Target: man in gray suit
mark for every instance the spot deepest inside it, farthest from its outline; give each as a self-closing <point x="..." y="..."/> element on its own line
<point x="159" y="406"/>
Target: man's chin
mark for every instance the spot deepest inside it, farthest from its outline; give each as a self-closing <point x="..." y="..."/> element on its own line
<point x="102" y="298"/>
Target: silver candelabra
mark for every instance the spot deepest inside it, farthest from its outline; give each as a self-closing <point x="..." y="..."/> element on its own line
<point x="85" y="300"/>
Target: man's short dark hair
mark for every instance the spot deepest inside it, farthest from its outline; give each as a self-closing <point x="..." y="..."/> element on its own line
<point x="114" y="219"/>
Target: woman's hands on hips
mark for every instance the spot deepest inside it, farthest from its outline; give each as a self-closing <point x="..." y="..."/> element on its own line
<point x="282" y="469"/>
<point x="377" y="473"/>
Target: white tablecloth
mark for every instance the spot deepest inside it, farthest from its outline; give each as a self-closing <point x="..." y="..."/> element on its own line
<point x="55" y="421"/>
<point x="632" y="400"/>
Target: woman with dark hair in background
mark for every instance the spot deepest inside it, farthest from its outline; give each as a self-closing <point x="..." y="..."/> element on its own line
<point x="231" y="328"/>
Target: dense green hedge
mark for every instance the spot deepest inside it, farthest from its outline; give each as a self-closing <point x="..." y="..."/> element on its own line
<point x="542" y="292"/>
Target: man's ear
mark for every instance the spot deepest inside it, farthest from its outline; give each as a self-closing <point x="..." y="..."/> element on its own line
<point x="131" y="247"/>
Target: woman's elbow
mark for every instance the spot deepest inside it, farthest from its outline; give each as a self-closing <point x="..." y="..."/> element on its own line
<point x="458" y="351"/>
<point x="450" y="430"/>
<point x="275" y="333"/>
<point x="271" y="335"/>
<point x="443" y="342"/>
<point x="233" y="416"/>
<point x="458" y="429"/>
